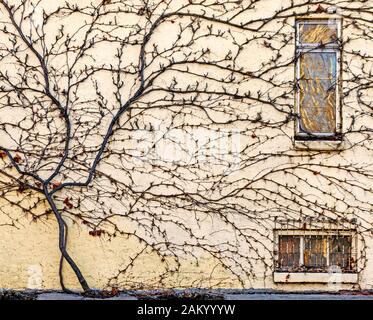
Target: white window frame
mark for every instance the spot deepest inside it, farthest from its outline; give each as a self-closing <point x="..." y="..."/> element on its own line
<point x="314" y="47"/>
<point x="302" y="234"/>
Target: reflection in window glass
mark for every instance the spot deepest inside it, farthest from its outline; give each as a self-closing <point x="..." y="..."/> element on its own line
<point x="318" y="65"/>
<point x="317" y="106"/>
<point x="317" y="78"/>
<point x="317" y="32"/>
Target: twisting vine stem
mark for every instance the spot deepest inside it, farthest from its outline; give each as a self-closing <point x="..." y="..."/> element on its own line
<point x="98" y="93"/>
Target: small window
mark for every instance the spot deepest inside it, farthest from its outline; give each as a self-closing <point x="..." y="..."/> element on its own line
<point x="289" y="251"/>
<point x="317" y="79"/>
<point x="315" y="253"/>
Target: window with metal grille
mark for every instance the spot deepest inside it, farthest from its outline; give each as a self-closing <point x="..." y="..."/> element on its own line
<point x="315" y="253"/>
<point x="317" y="79"/>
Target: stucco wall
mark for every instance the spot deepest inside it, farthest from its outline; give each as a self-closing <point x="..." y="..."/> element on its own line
<point x="29" y="255"/>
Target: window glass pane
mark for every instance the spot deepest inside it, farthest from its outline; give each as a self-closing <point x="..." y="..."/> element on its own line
<point x="315" y="252"/>
<point x="340" y="252"/>
<point x="317" y="65"/>
<point x="288" y="252"/>
<point x="314" y="33"/>
<point x="317" y="78"/>
<point x="317" y="101"/>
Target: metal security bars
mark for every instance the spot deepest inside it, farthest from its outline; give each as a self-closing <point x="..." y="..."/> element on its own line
<point x="318" y="78"/>
<point x="316" y="253"/>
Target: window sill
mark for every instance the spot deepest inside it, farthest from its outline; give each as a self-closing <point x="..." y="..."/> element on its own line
<point x="322" y="145"/>
<point x="308" y="277"/>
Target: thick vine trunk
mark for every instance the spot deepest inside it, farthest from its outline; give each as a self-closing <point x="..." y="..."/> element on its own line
<point x="62" y="245"/>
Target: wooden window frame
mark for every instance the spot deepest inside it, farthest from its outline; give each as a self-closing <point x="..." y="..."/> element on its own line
<point x="314" y="48"/>
<point x="304" y="233"/>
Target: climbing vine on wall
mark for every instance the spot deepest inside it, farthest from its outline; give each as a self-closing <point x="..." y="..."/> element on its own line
<point x="172" y="122"/>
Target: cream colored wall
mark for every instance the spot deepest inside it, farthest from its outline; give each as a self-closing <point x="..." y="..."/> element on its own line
<point x="29" y="255"/>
